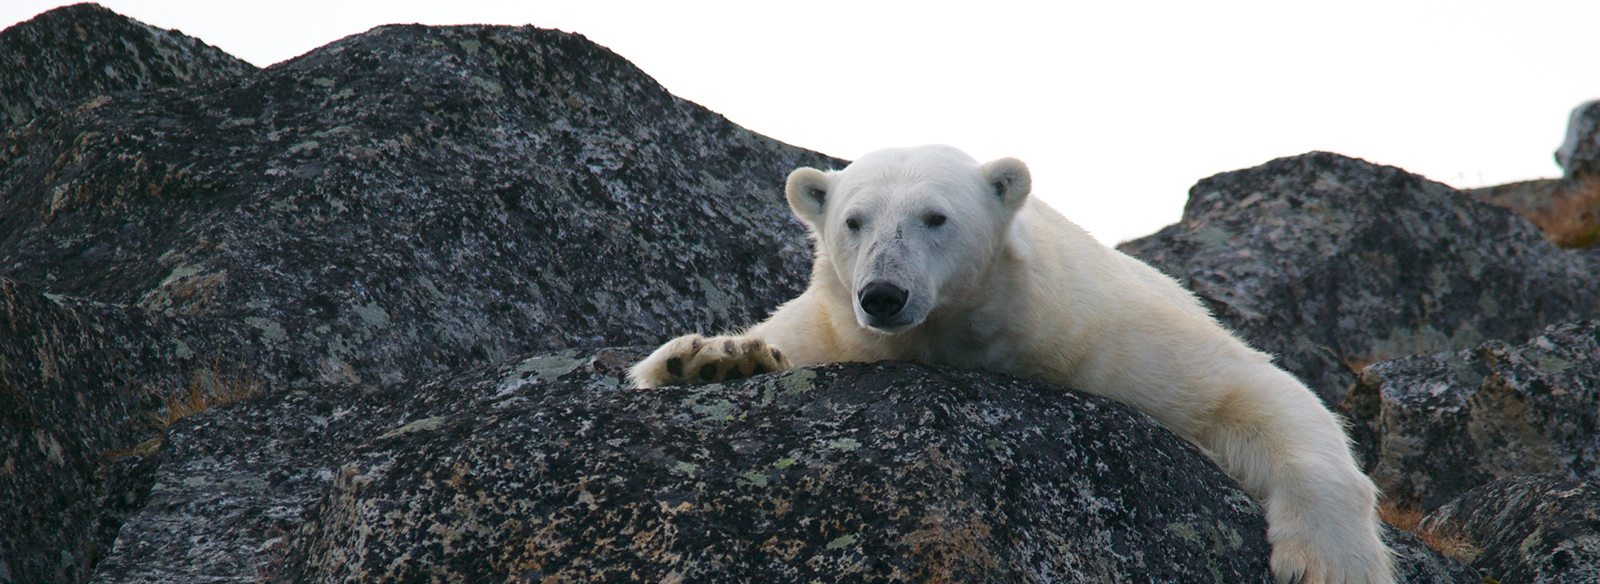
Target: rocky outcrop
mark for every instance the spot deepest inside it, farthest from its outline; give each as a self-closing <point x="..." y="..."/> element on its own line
<point x="392" y="206"/>
<point x="1431" y="427"/>
<point x="75" y="442"/>
<point x="1579" y="154"/>
<point x="73" y="54"/>
<point x="406" y="201"/>
<point x="548" y="467"/>
<point x="1534" y="529"/>
<point x="1332" y="263"/>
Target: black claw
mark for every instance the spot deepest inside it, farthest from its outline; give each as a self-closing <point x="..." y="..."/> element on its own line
<point x="777" y="355"/>
<point x="730" y="347"/>
<point x="675" y="367"/>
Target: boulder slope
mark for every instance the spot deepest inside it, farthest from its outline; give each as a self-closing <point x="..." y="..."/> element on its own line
<point x="1430" y="427"/>
<point x="1332" y="263"/>
<point x="407" y="200"/>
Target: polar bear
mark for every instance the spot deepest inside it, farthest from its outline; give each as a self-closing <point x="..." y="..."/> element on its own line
<point x="922" y="254"/>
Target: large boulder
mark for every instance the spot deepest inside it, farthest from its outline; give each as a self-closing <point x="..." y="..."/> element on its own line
<point x="408" y="200"/>
<point x="76" y="53"/>
<point x="75" y="440"/>
<point x="1534" y="529"/>
<point x="1431" y="427"/>
<point x="548" y="467"/>
<point x="1332" y="263"/>
<point x="391" y="206"/>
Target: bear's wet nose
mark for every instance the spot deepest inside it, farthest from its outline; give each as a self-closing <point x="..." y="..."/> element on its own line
<point x="882" y="300"/>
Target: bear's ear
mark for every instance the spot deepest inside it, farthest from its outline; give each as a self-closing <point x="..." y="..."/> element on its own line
<point x="808" y="194"/>
<point x="1009" y="179"/>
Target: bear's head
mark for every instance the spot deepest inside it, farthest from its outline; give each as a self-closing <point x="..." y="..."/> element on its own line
<point x="909" y="231"/>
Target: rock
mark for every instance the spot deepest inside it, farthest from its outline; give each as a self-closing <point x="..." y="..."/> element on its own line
<point x="1416" y="563"/>
<point x="1579" y="154"/>
<point x="1568" y="211"/>
<point x="393" y="206"/>
<point x="862" y="472"/>
<point x="1431" y="427"/>
<point x="1333" y="263"/>
<point x="1534" y="529"/>
<point x="237" y="482"/>
<point x="74" y="444"/>
<point x="406" y="201"/>
<point x="72" y="54"/>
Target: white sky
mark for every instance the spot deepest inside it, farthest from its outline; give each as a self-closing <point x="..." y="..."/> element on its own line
<point x="1118" y="107"/>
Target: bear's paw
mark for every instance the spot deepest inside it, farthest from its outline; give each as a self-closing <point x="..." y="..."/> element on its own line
<point x="693" y="359"/>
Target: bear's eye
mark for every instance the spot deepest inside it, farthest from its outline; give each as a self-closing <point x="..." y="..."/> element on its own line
<point x="934" y="219"/>
<point x="853" y="224"/>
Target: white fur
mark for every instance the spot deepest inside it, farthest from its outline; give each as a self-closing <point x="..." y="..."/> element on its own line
<point x="1008" y="284"/>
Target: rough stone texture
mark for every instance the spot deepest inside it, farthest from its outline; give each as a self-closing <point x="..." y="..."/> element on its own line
<point x="1416" y="563"/>
<point x="405" y="201"/>
<point x="74" y="447"/>
<point x="1332" y="263"/>
<point x="236" y="482"/>
<point x="395" y="205"/>
<point x="1431" y="427"/>
<point x="863" y="473"/>
<point x="1579" y="154"/>
<point x="1535" y="529"/>
<point x="69" y="55"/>
<point x="1568" y="211"/>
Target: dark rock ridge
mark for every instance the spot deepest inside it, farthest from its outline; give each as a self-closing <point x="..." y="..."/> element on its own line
<point x="69" y="55"/>
<point x="1332" y="263"/>
<point x="1430" y="427"/>
<point x="1534" y="529"/>
<point x="74" y="443"/>
<point x="405" y="201"/>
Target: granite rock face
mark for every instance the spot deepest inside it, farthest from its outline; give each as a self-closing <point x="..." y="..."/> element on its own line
<point x="992" y="465"/>
<point x="863" y="473"/>
<point x="1332" y="263"/>
<point x="392" y="206"/>
<point x="405" y="201"/>
<point x="1534" y="529"/>
<point x="74" y="445"/>
<point x="237" y="482"/>
<point x="69" y="55"/>
<point x="1431" y="427"/>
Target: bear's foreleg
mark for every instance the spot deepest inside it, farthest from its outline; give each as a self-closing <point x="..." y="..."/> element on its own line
<point x="1275" y="437"/>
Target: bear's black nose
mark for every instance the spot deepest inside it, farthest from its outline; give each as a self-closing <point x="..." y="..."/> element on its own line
<point x="882" y="300"/>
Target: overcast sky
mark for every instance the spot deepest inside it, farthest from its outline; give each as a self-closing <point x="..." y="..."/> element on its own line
<point x="1118" y="107"/>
